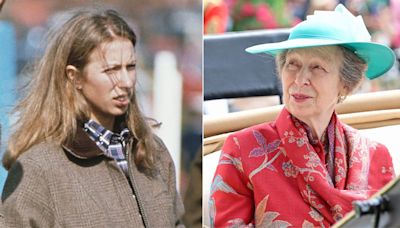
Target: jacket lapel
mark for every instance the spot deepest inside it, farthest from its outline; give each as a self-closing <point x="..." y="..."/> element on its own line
<point x="82" y="146"/>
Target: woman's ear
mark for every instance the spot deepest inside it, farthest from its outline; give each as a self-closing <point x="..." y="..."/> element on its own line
<point x="345" y="91"/>
<point x="74" y="76"/>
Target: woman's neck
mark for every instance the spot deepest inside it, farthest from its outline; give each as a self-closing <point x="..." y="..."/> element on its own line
<point x="318" y="124"/>
<point x="106" y="121"/>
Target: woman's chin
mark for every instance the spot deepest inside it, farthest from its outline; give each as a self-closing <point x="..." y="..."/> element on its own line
<point x="300" y="112"/>
<point x="118" y="111"/>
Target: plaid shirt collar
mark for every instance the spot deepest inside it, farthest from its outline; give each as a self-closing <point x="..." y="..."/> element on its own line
<point x="104" y="138"/>
<point x="113" y="145"/>
<point x="83" y="147"/>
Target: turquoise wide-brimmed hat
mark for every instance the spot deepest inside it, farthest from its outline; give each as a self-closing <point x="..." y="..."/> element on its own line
<point x="337" y="27"/>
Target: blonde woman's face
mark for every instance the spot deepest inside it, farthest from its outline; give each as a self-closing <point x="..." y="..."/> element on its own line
<point x="311" y="82"/>
<point x="109" y="79"/>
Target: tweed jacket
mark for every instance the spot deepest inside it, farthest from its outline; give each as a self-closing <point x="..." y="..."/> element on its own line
<point x="77" y="186"/>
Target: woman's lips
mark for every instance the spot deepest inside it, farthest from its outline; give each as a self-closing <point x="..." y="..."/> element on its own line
<point x="121" y="101"/>
<point x="299" y="97"/>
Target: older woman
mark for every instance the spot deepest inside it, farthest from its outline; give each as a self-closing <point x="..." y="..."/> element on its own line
<point x="305" y="168"/>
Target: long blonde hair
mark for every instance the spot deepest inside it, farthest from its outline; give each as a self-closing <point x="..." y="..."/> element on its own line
<point x="52" y="106"/>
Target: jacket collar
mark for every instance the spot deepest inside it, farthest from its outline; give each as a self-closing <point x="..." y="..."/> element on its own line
<point x="81" y="146"/>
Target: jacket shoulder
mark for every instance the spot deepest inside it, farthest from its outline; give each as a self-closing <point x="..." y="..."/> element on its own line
<point x="26" y="195"/>
<point x="241" y="143"/>
<point x="162" y="152"/>
<point x="268" y="130"/>
<point x="43" y="154"/>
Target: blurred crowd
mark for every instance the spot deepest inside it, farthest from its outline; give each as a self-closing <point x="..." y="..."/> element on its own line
<point x="173" y="26"/>
<point x="382" y="18"/>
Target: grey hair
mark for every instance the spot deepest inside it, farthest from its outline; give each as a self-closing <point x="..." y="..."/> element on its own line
<point x="352" y="70"/>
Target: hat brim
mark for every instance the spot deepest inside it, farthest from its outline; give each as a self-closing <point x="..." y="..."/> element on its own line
<point x="378" y="57"/>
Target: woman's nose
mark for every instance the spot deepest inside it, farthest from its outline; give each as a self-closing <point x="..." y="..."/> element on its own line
<point x="126" y="79"/>
<point x="303" y="77"/>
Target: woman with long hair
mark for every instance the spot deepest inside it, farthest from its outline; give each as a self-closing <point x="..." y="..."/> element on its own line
<point x="82" y="154"/>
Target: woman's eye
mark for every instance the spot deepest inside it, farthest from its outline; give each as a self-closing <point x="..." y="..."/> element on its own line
<point x="318" y="67"/>
<point x="109" y="70"/>
<point x="292" y="66"/>
<point x="131" y="67"/>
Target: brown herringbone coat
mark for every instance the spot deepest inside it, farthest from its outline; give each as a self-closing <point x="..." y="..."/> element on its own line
<point x="76" y="186"/>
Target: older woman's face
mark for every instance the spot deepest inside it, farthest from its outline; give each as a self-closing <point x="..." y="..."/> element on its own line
<point x="311" y="81"/>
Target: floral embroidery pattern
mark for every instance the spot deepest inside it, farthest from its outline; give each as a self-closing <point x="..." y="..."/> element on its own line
<point x="313" y="162"/>
<point x="316" y="216"/>
<point x="309" y="195"/>
<point x="250" y="186"/>
<point x="307" y="224"/>
<point x="267" y="219"/>
<point x="289" y="169"/>
<point x="236" y="140"/>
<point x="300" y="141"/>
<point x="359" y="147"/>
<point x="211" y="206"/>
<point x="238" y="223"/>
<point x="227" y="159"/>
<point x="219" y="185"/>
<point x="385" y="170"/>
<point x="336" y="211"/>
<point x="264" y="149"/>
<point x="340" y="170"/>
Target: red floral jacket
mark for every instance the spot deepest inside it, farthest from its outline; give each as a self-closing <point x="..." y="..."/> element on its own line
<point x="270" y="175"/>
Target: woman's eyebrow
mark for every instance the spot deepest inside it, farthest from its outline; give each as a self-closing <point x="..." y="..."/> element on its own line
<point x="293" y="57"/>
<point x="321" y="60"/>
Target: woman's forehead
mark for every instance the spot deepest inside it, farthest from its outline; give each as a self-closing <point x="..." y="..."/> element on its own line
<point x="326" y="53"/>
<point x="114" y="51"/>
